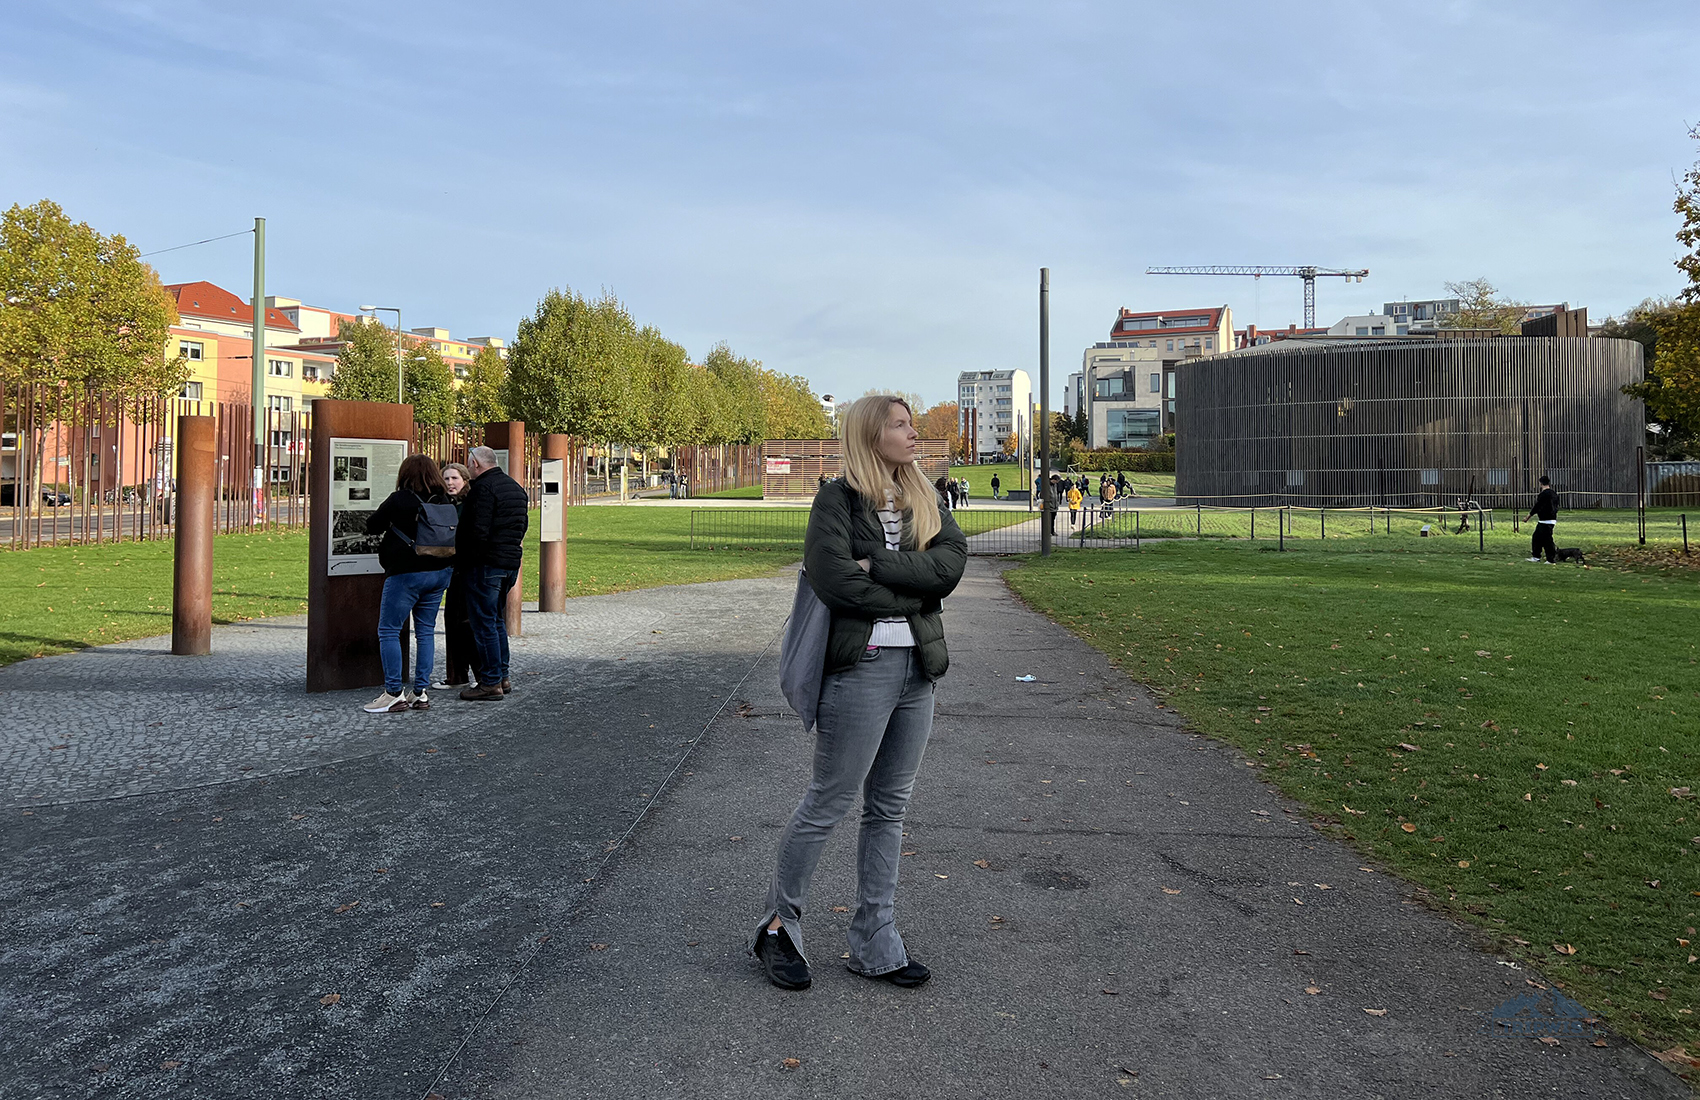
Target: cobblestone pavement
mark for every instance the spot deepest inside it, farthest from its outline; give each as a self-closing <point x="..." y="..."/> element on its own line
<point x="131" y="719"/>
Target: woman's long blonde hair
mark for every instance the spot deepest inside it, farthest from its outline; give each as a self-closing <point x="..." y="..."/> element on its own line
<point x="871" y="476"/>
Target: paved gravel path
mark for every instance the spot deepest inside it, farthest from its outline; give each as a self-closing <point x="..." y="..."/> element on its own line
<point x="550" y="896"/>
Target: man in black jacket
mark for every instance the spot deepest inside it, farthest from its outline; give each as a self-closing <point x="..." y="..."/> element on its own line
<point x="1545" y="515"/>
<point x="488" y="546"/>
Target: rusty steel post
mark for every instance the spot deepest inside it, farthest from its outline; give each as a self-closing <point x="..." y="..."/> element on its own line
<point x="552" y="554"/>
<point x="191" y="579"/>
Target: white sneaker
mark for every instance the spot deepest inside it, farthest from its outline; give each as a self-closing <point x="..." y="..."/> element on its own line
<point x="1531" y="559"/>
<point x="386" y="703"/>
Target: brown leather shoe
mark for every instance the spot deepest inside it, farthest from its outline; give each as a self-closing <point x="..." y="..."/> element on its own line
<point x="507" y="688"/>
<point x="478" y="693"/>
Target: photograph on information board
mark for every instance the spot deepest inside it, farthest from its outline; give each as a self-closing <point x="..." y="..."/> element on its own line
<point x="363" y="475"/>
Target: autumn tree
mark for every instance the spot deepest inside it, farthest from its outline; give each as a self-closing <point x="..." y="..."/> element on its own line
<point x="1672" y="388"/>
<point x="478" y="400"/>
<point x="79" y="310"/>
<point x="366" y="362"/>
<point x="940" y="422"/>
<point x="430" y="386"/>
<point x="571" y="368"/>
<point x="1481" y="306"/>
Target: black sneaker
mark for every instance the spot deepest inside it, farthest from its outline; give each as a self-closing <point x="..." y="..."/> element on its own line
<point x="785" y="967"/>
<point x="911" y="975"/>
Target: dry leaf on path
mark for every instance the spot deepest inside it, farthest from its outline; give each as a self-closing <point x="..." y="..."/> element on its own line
<point x="1376" y="1011"/>
<point x="169" y="1065"/>
<point x="1168" y="890"/>
<point x="1549" y="1040"/>
<point x="1312" y="990"/>
<point x="791" y="1063"/>
<point x="982" y="863"/>
<point x="330" y="998"/>
<point x="345" y="908"/>
<point x="599" y="947"/>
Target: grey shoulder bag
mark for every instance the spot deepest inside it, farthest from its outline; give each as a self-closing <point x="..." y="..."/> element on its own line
<point x="802" y="652"/>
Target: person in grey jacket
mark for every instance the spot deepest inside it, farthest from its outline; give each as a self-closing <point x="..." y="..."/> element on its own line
<point x="882" y="553"/>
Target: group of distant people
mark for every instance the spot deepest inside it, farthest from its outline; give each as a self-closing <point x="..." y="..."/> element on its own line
<point x="456" y="531"/>
<point x="678" y="484"/>
<point x="954" y="490"/>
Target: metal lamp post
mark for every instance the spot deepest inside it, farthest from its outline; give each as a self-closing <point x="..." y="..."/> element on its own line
<point x="400" y="391"/>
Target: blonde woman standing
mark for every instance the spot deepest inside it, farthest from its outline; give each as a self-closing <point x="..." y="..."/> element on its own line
<point x="881" y="553"/>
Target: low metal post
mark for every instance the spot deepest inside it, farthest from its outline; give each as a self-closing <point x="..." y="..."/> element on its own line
<point x="1480" y="545"/>
<point x="1254" y="525"/>
<point x="1685" y="532"/>
<point x="1322" y="518"/>
<point x="1137" y="545"/>
<point x="1200" y="531"/>
<point x="693" y="528"/>
<point x="1281" y="526"/>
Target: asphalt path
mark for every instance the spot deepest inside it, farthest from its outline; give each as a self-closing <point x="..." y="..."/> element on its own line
<point x="552" y="897"/>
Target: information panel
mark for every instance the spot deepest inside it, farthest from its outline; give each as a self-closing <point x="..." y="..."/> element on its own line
<point x="363" y="475"/>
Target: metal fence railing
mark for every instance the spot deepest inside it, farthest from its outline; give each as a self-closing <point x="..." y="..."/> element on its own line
<point x="1001" y="532"/>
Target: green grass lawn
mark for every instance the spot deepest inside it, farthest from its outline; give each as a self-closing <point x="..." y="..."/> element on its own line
<point x="748" y="492"/>
<point x="70" y="597"/>
<point x="65" y="598"/>
<point x="1506" y="735"/>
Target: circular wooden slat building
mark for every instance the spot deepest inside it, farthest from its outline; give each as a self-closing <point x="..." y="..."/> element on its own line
<point x="1415" y="422"/>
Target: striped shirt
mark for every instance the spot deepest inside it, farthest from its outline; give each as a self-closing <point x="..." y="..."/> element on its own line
<point x="891" y="632"/>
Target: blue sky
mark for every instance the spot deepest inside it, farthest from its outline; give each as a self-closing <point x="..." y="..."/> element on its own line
<point x="863" y="193"/>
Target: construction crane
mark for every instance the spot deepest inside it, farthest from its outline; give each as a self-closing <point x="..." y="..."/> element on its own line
<point x="1308" y="274"/>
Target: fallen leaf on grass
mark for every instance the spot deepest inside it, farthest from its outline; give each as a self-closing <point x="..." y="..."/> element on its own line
<point x="1528" y="798"/>
<point x="330" y="999"/>
<point x="1408" y="747"/>
<point x="1564" y="949"/>
<point x="1658" y="994"/>
<point x="1653" y="882"/>
<point x="1678" y="1056"/>
<point x="1408" y="827"/>
<point x="1463" y="863"/>
<point x="1681" y="792"/>
<point x="1349" y="810"/>
<point x="1540" y="767"/>
<point x="1376" y="1011"/>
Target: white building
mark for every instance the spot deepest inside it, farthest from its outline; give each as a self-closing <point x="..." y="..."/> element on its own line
<point x="993" y="405"/>
<point x="1126" y="392"/>
<point x="1371" y="324"/>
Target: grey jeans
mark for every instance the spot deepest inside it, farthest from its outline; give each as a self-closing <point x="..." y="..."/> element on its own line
<point x="870" y="734"/>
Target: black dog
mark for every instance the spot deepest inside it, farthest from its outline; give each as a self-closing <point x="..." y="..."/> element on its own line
<point x="1572" y="554"/>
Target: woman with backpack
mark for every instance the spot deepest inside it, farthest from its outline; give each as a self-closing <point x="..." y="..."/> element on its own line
<point x="416" y="572"/>
<point x="881" y="553"/>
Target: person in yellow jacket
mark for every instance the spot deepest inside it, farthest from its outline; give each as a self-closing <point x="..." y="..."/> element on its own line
<point x="1073" y="502"/>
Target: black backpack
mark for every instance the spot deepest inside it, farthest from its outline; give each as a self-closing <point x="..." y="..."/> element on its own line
<point x="435" y="536"/>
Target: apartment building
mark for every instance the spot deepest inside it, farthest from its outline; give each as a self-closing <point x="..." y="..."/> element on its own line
<point x="1125" y="392"/>
<point x="991" y="406"/>
<point x="1174" y="336"/>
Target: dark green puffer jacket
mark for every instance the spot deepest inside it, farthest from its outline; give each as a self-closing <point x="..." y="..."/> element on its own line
<point x="843" y="528"/>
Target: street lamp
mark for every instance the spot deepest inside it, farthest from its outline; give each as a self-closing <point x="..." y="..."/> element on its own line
<point x="399" y="398"/>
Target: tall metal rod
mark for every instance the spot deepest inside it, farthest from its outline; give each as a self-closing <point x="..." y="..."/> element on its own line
<point x="1048" y="511"/>
<point x="257" y="357"/>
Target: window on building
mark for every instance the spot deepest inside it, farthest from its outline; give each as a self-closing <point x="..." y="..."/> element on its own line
<point x="1171" y="385"/>
<point x="280" y="475"/>
<point x="1003" y="389"/>
<point x="191" y="390"/>
<point x="1401" y="330"/>
<point x="1431" y="477"/>
<point x="1132" y="427"/>
<point x="1363" y="330"/>
<point x="192" y="349"/>
<point x="1210" y="342"/>
<point x="280" y="402"/>
<point x="1295" y="478"/>
<point x="1156" y="383"/>
<point x="1169" y="345"/>
<point x="1108" y="387"/>
<point x="282" y="438"/>
<point x="280" y="368"/>
<point x="1378" y="330"/>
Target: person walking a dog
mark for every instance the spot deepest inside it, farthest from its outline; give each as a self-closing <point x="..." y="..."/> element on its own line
<point x="1545" y="515"/>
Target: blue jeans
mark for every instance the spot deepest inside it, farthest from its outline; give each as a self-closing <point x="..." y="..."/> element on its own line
<point x="870" y="734"/>
<point x="486" y="606"/>
<point x="418" y="595"/>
